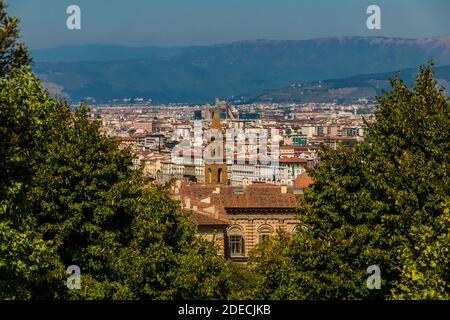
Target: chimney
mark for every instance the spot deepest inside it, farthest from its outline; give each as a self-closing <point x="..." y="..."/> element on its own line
<point x="217" y="190"/>
<point x="187" y="202"/>
<point x="283" y="189"/>
<point x="216" y="212"/>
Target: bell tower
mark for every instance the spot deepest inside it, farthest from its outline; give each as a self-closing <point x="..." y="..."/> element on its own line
<point x="216" y="170"/>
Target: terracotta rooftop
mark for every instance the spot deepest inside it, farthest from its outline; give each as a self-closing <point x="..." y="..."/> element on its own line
<point x="213" y="202"/>
<point x="196" y="190"/>
<point x="293" y="160"/>
<point x="300" y="148"/>
<point x="303" y="181"/>
<point x="205" y="220"/>
<point x="256" y="197"/>
<point x="125" y="139"/>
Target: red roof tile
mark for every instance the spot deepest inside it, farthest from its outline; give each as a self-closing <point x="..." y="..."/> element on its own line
<point x="303" y="181"/>
<point x="205" y="220"/>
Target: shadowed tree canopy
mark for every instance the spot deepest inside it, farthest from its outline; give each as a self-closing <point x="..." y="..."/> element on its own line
<point x="385" y="202"/>
<point x="68" y="196"/>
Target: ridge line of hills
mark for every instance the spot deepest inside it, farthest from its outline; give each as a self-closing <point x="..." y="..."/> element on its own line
<point x="248" y="68"/>
<point x="346" y="90"/>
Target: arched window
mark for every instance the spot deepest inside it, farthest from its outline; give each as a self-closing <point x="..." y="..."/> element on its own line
<point x="236" y="241"/>
<point x="219" y="175"/>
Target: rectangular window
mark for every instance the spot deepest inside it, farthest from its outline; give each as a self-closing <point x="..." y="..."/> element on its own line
<point x="236" y="245"/>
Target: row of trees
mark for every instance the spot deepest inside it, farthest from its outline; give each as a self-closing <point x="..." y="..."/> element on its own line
<point x="69" y="197"/>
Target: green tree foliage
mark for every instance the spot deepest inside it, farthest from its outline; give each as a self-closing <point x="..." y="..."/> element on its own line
<point x="28" y="263"/>
<point x="132" y="242"/>
<point x="69" y="197"/>
<point x="26" y="259"/>
<point x="384" y="202"/>
<point x="243" y="280"/>
<point x="13" y="55"/>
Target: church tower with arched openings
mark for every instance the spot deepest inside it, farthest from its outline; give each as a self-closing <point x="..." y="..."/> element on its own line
<point x="216" y="170"/>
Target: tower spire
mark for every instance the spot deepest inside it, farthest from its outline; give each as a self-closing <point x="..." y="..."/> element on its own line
<point x="216" y="172"/>
<point x="216" y="119"/>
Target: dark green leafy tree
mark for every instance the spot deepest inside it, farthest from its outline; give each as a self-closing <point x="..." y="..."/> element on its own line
<point x="13" y="55"/>
<point x="28" y="263"/>
<point x="26" y="259"/>
<point x="384" y="202"/>
<point x="69" y="197"/>
<point x="243" y="280"/>
<point x="130" y="241"/>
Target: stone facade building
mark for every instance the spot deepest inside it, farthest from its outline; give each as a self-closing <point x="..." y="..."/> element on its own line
<point x="254" y="214"/>
<point x="238" y="219"/>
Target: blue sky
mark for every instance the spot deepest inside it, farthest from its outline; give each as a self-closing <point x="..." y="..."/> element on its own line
<point x="198" y="22"/>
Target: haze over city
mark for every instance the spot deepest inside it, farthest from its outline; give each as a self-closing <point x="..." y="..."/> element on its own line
<point x="201" y="22"/>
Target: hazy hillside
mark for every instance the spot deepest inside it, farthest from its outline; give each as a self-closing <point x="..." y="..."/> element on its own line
<point x="105" y="53"/>
<point x="244" y="68"/>
<point x="345" y="90"/>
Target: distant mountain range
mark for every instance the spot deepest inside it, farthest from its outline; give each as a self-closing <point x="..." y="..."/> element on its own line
<point x="245" y="68"/>
<point x="106" y="53"/>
